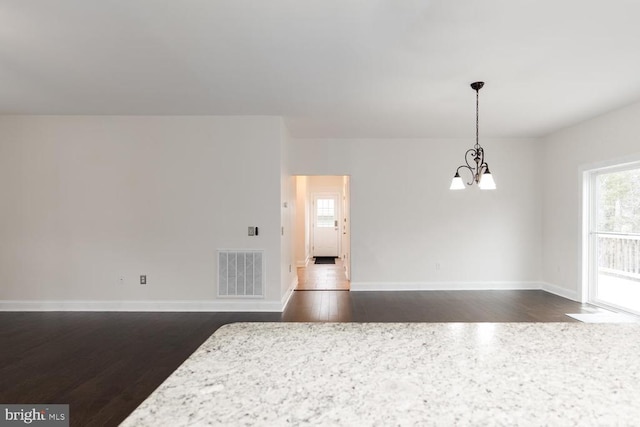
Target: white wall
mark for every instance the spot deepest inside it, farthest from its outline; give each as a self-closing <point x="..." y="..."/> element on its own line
<point x="565" y="154"/>
<point x="86" y="200"/>
<point x="289" y="276"/>
<point x="405" y="220"/>
<point x="301" y="231"/>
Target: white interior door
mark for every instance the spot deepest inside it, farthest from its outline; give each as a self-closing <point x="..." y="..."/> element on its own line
<point x="325" y="225"/>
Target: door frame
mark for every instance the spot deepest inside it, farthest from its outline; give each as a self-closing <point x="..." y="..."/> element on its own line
<point x="589" y="265"/>
<point x="301" y="249"/>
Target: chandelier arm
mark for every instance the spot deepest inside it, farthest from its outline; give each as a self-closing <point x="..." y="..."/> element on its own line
<point x="470" y="170"/>
<point x="476" y="155"/>
<point x="473" y="153"/>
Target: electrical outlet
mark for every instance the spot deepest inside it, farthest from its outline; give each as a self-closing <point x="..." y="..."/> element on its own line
<point x="252" y="231"/>
<point x="143" y="279"/>
<point x="437" y="266"/>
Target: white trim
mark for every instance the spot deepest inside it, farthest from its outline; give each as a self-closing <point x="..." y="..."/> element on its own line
<point x="211" y="305"/>
<point x="441" y="286"/>
<point x="289" y="293"/>
<point x="586" y="242"/>
<point x="613" y="307"/>
<point x="303" y="263"/>
<point x="571" y="294"/>
<point x="588" y="213"/>
<point x="270" y="306"/>
<point x="612" y="165"/>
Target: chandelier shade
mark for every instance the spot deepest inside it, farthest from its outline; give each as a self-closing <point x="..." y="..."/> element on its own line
<point x="457" y="183"/>
<point x="486" y="181"/>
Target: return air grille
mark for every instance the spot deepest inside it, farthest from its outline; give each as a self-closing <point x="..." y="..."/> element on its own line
<point x="240" y="273"/>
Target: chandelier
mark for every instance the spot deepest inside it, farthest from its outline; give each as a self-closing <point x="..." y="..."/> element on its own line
<point x="474" y="159"/>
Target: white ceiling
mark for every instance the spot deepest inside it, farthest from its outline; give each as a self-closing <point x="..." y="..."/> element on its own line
<point x="332" y="68"/>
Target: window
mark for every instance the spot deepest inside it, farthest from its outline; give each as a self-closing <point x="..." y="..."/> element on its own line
<point x="615" y="238"/>
<point x="325" y="213"/>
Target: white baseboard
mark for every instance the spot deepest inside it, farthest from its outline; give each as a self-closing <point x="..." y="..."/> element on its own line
<point x="255" y="305"/>
<point x="289" y="293"/>
<point x="302" y="263"/>
<point x="218" y="305"/>
<point x="441" y="286"/>
<point x="204" y="306"/>
<point x="560" y="291"/>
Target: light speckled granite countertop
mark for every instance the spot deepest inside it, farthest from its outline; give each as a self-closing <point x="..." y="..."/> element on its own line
<point x="386" y="374"/>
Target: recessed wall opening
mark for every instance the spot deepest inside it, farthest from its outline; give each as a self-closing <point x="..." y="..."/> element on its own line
<point x="612" y="226"/>
<point x="322" y="232"/>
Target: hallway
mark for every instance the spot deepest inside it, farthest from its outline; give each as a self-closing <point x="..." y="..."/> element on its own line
<point x="322" y="277"/>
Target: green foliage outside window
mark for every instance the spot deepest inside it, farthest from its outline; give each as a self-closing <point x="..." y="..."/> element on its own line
<point x="618" y="202"/>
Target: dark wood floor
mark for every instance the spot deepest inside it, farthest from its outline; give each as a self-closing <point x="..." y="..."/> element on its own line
<point x="105" y="364"/>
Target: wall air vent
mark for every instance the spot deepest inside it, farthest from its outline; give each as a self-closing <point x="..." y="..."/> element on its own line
<point x="241" y="273"/>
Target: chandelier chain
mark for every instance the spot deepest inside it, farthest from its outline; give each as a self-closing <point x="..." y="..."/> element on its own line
<point x="477" y="117"/>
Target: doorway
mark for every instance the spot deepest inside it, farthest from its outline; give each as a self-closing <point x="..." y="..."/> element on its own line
<point x="323" y="232"/>
<point x="614" y="237"/>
